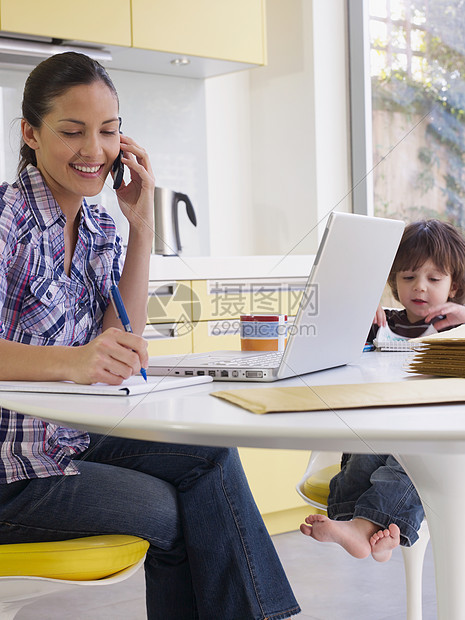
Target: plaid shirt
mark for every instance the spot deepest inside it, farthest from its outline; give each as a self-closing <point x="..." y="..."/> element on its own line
<point x="41" y="305"/>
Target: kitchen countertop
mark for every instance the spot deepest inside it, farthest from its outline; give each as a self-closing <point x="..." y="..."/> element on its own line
<point x="169" y="268"/>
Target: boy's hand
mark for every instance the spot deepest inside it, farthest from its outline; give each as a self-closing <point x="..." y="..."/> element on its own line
<point x="454" y="314"/>
<point x="110" y="358"/>
<point x="380" y="317"/>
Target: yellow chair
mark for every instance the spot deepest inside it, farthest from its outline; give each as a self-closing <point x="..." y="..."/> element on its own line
<point x="313" y="488"/>
<point x="31" y="570"/>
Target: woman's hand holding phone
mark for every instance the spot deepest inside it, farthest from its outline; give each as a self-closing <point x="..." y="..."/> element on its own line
<point x="117" y="167"/>
<point x="118" y="171"/>
<point x="137" y="197"/>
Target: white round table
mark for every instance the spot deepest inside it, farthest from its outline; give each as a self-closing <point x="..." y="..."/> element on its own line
<point x="429" y="440"/>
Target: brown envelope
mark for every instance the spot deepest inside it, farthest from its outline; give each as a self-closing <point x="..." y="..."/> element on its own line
<point x="441" y="354"/>
<point x="456" y="334"/>
<point x="352" y="396"/>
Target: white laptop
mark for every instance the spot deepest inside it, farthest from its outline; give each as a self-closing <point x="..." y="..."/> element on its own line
<point x="335" y="313"/>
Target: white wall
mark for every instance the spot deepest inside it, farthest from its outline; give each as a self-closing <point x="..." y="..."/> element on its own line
<point x="229" y="155"/>
<point x="167" y="116"/>
<point x="277" y="137"/>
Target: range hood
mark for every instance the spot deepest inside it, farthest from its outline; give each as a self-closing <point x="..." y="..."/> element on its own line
<point x="15" y="49"/>
<point x="18" y="50"/>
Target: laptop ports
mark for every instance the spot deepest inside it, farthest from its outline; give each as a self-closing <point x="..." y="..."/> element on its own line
<point x="254" y="374"/>
<point x="225" y="373"/>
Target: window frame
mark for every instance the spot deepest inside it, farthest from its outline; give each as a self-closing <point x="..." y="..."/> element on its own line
<point x="361" y="129"/>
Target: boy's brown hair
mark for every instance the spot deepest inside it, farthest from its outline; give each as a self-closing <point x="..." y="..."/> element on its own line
<point x="436" y="241"/>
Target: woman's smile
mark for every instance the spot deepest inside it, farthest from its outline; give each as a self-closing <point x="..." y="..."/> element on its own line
<point x="88" y="170"/>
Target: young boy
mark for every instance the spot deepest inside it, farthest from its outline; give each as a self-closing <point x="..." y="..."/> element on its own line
<point x="372" y="505"/>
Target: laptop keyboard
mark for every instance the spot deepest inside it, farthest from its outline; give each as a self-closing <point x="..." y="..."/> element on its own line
<point x="267" y="360"/>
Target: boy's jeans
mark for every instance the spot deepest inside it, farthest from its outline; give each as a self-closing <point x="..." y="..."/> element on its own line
<point x="375" y="487"/>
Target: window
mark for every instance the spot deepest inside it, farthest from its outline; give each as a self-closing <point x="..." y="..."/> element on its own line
<point x="414" y="66"/>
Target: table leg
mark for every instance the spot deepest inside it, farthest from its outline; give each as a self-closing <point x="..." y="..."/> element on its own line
<point x="439" y="480"/>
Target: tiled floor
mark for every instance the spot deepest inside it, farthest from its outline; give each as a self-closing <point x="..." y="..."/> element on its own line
<point x="328" y="583"/>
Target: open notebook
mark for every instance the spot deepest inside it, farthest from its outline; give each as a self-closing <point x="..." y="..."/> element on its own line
<point x="129" y="387"/>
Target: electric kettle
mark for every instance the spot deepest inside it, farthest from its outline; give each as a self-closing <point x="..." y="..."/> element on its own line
<point x="167" y="240"/>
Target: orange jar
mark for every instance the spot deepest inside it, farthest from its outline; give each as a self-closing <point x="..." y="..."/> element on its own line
<point x="263" y="332"/>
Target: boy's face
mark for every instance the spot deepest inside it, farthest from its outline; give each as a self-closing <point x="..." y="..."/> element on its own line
<point x="421" y="290"/>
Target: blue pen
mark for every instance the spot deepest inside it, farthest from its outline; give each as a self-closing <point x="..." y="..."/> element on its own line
<point x="123" y="316"/>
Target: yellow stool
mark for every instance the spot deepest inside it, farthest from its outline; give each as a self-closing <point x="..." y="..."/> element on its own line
<point x="31" y="570"/>
<point x="313" y="488"/>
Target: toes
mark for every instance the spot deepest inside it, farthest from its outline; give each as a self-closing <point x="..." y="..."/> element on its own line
<point x="313" y="518"/>
<point x="394" y="531"/>
<point x="377" y="536"/>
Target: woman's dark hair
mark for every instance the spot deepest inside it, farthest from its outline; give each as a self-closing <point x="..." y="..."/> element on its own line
<point x="431" y="240"/>
<point x="50" y="79"/>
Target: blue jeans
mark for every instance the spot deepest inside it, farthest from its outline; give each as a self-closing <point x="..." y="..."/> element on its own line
<point x="210" y="555"/>
<point x="375" y="487"/>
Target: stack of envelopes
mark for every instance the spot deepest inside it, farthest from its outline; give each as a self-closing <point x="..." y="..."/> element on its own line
<point x="440" y="354"/>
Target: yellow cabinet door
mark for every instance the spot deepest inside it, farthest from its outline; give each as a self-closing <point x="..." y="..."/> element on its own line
<point x="170" y="302"/>
<point x="216" y="336"/>
<point x="272" y="477"/>
<point x="223" y="29"/>
<point x="220" y="300"/>
<point x="176" y="340"/>
<point x="101" y="21"/>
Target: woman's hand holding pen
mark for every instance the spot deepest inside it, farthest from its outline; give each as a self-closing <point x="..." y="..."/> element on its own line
<point x="110" y="358"/>
<point x="137" y="197"/>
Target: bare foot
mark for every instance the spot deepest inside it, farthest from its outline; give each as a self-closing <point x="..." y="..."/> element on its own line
<point x="383" y="542"/>
<point x="353" y="536"/>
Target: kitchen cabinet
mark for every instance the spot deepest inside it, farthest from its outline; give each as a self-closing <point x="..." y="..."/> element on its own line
<point x="187" y="316"/>
<point x="203" y="315"/>
<point x="105" y="21"/>
<point x="168" y="338"/>
<point x="216" y="36"/>
<point x="169" y="317"/>
<point x="229" y="298"/>
<point x="231" y="30"/>
<point x="272" y="476"/>
<point x="221" y="302"/>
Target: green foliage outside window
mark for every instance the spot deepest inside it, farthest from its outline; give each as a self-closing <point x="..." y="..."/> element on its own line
<point x="419" y="77"/>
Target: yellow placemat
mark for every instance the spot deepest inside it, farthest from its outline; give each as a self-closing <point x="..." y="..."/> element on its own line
<point x="351" y="396"/>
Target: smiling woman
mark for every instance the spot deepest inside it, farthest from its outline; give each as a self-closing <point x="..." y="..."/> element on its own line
<point x="210" y="555"/>
<point x="76" y="144"/>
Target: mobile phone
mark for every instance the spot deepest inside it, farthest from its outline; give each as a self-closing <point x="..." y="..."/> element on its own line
<point x="118" y="167"/>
